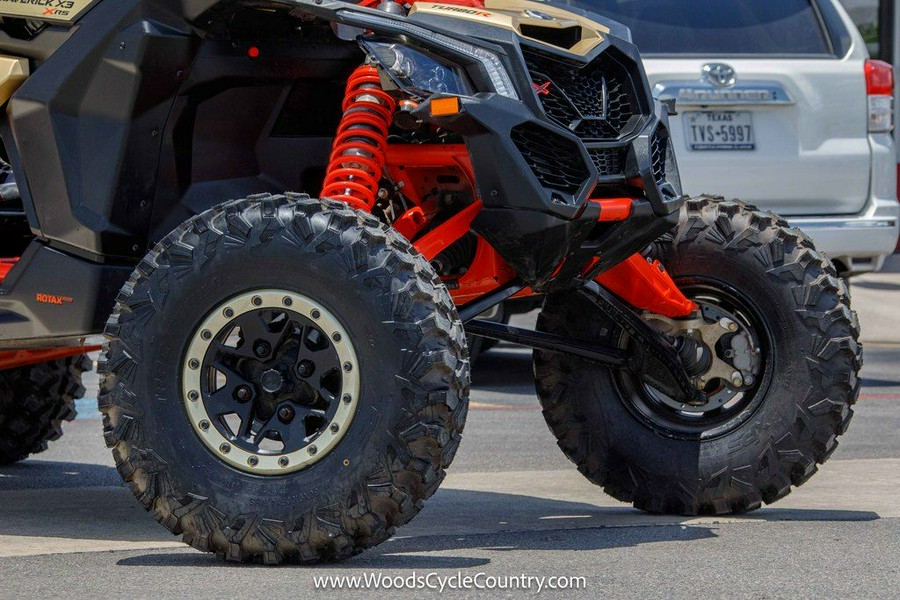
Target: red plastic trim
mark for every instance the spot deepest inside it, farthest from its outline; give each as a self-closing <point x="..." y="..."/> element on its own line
<point x="646" y="286"/>
<point x="6" y="265"/>
<point x="614" y="209"/>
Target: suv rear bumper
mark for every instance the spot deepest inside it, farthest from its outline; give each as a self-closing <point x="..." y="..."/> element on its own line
<point x="858" y="243"/>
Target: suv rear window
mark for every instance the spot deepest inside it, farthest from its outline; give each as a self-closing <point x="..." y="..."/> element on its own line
<point x="718" y="27"/>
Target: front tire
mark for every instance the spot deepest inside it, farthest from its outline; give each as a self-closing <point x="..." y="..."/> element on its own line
<point x="373" y="306"/>
<point x="648" y="454"/>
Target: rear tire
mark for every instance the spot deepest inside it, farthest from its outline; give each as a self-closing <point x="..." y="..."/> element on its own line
<point x="757" y="453"/>
<point x="34" y="402"/>
<point x="411" y="391"/>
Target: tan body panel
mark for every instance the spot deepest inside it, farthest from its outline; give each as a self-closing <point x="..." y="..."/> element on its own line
<point x="511" y="14"/>
<point x="65" y="11"/>
<point x="13" y="73"/>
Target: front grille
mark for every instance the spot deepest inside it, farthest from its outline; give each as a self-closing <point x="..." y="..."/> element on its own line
<point x="610" y="162"/>
<point x="554" y="160"/>
<point x="659" y="149"/>
<point x="596" y="101"/>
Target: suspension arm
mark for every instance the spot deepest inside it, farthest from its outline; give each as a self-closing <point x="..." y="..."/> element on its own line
<point x="655" y="358"/>
<point x="611" y="357"/>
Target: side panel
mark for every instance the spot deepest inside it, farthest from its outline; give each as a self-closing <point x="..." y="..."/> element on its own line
<point x="54" y="297"/>
<point x="86" y="127"/>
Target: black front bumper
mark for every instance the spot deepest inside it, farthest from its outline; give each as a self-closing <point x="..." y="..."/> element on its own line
<point x="538" y="217"/>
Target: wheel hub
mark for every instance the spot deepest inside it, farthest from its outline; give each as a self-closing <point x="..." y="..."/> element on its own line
<point x="270" y="381"/>
<point x="721" y="352"/>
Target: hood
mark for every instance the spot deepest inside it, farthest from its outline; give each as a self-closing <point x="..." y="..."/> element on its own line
<point x="564" y="27"/>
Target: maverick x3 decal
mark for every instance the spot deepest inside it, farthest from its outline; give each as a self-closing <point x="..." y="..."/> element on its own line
<point x="66" y="11"/>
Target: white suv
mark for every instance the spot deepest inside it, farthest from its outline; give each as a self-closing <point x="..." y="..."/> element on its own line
<point x="779" y="105"/>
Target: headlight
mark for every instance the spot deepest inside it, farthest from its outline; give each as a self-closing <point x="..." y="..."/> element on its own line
<point x="417" y="72"/>
<point x="491" y="63"/>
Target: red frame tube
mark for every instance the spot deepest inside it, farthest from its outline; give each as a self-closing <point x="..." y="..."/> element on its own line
<point x="12" y="359"/>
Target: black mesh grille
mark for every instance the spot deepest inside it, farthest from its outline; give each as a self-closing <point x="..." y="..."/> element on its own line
<point x="659" y="147"/>
<point x="610" y="162"/>
<point x="595" y="101"/>
<point x="554" y="160"/>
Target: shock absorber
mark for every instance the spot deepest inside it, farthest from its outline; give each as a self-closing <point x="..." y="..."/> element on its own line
<point x="358" y="155"/>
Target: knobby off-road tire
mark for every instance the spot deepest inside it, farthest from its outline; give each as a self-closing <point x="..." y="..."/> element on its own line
<point x="412" y="361"/>
<point x="809" y="388"/>
<point x="34" y="402"/>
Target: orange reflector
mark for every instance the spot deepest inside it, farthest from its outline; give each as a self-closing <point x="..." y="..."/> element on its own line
<point x="614" y="209"/>
<point x="442" y="107"/>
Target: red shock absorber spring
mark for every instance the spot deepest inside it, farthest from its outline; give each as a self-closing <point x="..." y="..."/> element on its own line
<point x="358" y="155"/>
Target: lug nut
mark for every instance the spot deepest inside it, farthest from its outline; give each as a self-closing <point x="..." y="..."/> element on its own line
<point x="748" y="380"/>
<point x="737" y="379"/>
<point x="348" y="367"/>
<point x="284" y="461"/>
<point x="335" y="428"/>
<point x="347" y="399"/>
<point x="194" y="395"/>
<point x="194" y="364"/>
<point x="253" y="461"/>
<point x="315" y="314"/>
<point x="312" y="450"/>
<point x="257" y="301"/>
<point x="287" y="301"/>
<point x="204" y="424"/>
<point x="262" y="349"/>
<point x="206" y="334"/>
<point x="228" y="313"/>
<point x="336" y="337"/>
<point x="225" y="448"/>
<point x="306" y="368"/>
<point x="243" y="393"/>
<point x="286" y="414"/>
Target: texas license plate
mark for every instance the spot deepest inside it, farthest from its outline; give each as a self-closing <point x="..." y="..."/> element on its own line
<point x="719" y="130"/>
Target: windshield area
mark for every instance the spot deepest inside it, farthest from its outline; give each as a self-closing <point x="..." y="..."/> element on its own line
<point x="718" y="27"/>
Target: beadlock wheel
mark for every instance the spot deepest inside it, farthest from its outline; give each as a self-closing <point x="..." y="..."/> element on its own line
<point x="270" y="381"/>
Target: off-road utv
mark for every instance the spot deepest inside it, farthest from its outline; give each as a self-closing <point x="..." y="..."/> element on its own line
<point x="286" y="378"/>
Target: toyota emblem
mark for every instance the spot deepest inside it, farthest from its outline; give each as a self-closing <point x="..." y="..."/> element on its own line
<point x="719" y="74"/>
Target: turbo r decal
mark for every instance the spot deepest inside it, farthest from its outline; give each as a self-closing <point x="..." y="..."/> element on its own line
<point x="47" y="10"/>
<point x="462" y="9"/>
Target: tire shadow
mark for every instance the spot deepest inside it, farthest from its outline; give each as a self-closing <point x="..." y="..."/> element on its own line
<point x="481" y="523"/>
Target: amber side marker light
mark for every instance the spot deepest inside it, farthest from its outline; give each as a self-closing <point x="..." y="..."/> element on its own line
<point x="442" y="107"/>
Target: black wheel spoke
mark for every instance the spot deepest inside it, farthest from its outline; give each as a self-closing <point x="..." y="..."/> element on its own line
<point x="256" y="335"/>
<point x="224" y="401"/>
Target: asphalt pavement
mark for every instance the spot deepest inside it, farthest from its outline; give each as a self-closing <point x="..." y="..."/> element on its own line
<point x="512" y="505"/>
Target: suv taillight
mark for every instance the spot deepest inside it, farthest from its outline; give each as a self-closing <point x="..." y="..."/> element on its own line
<point x="880" y="89"/>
